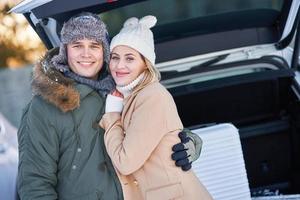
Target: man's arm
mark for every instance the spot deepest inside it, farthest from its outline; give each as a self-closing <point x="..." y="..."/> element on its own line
<point x="188" y="150"/>
<point x="38" y="154"/>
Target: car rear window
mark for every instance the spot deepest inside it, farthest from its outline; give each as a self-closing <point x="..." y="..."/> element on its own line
<point x="181" y="13"/>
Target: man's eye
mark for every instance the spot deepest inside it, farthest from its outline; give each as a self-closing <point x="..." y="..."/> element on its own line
<point x="95" y="47"/>
<point x="76" y="46"/>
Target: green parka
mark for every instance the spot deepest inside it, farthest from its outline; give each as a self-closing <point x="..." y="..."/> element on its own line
<point x="61" y="150"/>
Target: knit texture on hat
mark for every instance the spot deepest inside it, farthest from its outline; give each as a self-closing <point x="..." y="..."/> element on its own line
<point x="137" y="35"/>
<point x="83" y="26"/>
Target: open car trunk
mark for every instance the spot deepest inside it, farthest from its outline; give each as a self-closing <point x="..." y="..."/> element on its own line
<point x="259" y="96"/>
<point x="260" y="100"/>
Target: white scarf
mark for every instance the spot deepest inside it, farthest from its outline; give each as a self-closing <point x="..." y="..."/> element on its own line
<point x="126" y="90"/>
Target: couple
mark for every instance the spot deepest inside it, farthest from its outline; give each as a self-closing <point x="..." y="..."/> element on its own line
<point x="86" y="135"/>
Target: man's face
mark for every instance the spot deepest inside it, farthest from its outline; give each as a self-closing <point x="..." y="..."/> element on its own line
<point x="85" y="58"/>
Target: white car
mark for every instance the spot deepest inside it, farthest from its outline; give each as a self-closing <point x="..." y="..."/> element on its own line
<point x="234" y="61"/>
<point x="8" y="160"/>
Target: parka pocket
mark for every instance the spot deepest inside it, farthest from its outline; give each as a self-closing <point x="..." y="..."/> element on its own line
<point x="167" y="192"/>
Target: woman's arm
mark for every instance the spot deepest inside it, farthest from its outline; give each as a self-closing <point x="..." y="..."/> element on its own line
<point x="153" y="117"/>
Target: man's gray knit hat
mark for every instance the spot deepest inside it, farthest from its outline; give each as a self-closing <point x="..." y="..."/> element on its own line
<point x="83" y="26"/>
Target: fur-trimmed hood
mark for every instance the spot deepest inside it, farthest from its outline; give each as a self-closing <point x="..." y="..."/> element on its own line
<point x="53" y="86"/>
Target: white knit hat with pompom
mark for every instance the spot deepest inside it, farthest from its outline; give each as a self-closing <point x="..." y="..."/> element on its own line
<point x="137" y="35"/>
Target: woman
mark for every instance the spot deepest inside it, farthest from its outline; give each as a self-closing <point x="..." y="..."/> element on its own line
<point x="139" y="136"/>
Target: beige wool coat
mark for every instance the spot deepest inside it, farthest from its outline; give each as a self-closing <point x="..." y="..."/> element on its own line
<point x="139" y="143"/>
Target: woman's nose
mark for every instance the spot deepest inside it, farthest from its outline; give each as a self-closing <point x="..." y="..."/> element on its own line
<point x="120" y="64"/>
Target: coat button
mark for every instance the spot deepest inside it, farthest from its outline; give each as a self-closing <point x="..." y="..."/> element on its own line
<point x="79" y="150"/>
<point x="74" y="167"/>
<point x="135" y="182"/>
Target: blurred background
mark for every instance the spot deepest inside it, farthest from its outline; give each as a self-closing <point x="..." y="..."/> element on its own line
<point x="20" y="48"/>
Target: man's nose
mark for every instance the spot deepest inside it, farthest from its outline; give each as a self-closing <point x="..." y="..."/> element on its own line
<point x="86" y="52"/>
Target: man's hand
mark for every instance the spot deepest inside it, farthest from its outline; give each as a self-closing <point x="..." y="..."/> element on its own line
<point x="188" y="150"/>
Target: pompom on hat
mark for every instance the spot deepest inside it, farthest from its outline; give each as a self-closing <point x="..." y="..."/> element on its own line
<point x="83" y="26"/>
<point x="137" y="35"/>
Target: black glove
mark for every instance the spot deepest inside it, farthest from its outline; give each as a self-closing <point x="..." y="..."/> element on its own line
<point x="188" y="150"/>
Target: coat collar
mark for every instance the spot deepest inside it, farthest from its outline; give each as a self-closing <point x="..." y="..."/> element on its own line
<point x="83" y="90"/>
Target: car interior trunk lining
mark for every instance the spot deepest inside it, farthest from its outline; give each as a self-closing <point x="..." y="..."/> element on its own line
<point x="260" y="105"/>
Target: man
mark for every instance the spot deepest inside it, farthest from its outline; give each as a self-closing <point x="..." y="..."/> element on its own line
<point x="61" y="149"/>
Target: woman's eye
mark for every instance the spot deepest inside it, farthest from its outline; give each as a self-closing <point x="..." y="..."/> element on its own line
<point x="114" y="58"/>
<point x="129" y="59"/>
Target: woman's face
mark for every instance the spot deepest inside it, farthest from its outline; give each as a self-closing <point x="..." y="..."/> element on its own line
<point x="126" y="64"/>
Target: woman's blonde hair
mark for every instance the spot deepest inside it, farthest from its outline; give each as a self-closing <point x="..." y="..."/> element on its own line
<point x="151" y="74"/>
<point x="155" y="74"/>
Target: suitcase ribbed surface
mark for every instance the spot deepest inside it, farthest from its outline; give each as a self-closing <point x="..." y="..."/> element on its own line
<point x="221" y="166"/>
